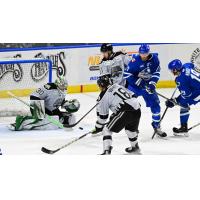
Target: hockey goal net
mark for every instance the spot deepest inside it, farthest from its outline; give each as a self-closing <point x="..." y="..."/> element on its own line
<point x="21" y="77"/>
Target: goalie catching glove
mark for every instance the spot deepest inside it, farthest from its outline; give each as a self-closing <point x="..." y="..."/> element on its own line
<point x="71" y="106"/>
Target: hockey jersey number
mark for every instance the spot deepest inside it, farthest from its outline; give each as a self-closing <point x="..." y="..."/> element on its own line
<point x="123" y="94"/>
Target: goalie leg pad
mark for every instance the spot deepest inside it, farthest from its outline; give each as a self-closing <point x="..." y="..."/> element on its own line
<point x="37" y="109"/>
<point x="30" y="123"/>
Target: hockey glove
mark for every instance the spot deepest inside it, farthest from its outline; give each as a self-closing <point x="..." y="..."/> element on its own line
<point x="150" y="88"/>
<point x="170" y="103"/>
<point x="71" y="106"/>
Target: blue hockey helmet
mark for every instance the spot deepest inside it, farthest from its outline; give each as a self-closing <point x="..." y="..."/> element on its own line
<point x="175" y="65"/>
<point x="144" y="49"/>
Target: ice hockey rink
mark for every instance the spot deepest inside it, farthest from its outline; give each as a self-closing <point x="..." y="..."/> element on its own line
<point x="30" y="142"/>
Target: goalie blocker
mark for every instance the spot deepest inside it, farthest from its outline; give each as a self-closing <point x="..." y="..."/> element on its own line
<point x="48" y="99"/>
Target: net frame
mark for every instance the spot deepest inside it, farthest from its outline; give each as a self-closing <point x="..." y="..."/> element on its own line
<point x="9" y="113"/>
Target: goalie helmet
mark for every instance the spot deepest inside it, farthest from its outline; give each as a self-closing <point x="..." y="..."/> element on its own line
<point x="71" y="106"/>
<point x="61" y="83"/>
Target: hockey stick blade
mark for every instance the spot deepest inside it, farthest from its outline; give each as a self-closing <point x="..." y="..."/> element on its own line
<point x="48" y="151"/>
<point x="164" y="113"/>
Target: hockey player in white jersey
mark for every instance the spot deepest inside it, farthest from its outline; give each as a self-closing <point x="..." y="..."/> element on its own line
<point x="126" y="114"/>
<point x="49" y="99"/>
<point x="113" y="63"/>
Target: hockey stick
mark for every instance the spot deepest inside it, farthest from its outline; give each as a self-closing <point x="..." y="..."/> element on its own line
<point x="48" y="151"/>
<point x="50" y="119"/>
<point x="72" y="125"/>
<point x="164" y="97"/>
<point x="164" y="113"/>
<point x="194" y="126"/>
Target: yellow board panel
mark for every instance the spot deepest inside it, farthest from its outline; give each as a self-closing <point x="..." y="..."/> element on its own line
<point x="19" y="93"/>
<point x="77" y="89"/>
<point x="166" y="84"/>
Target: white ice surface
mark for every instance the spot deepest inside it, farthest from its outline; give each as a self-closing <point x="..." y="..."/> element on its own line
<point x="30" y="142"/>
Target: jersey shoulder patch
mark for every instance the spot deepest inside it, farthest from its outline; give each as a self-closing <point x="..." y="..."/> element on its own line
<point x="50" y="86"/>
<point x="187" y="71"/>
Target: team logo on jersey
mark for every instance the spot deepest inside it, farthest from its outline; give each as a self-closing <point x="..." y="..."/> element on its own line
<point x="40" y="70"/>
<point x="148" y="64"/>
<point x="195" y="57"/>
<point x="15" y="69"/>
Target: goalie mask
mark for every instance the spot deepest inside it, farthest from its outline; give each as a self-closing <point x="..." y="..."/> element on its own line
<point x="61" y="83"/>
<point x="71" y="106"/>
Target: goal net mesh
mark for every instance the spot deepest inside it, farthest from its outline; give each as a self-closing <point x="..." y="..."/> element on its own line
<point x="21" y="77"/>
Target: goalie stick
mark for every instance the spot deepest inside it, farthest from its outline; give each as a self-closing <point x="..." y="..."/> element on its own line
<point x="164" y="113"/>
<point x="72" y="125"/>
<point x="48" y="151"/>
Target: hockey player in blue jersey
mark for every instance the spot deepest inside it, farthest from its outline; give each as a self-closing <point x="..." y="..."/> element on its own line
<point x="188" y="83"/>
<point x="142" y="75"/>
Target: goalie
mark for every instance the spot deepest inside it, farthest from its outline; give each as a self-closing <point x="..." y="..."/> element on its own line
<point x="48" y="99"/>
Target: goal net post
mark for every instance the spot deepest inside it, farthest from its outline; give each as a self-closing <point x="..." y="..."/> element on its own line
<point x="21" y="77"/>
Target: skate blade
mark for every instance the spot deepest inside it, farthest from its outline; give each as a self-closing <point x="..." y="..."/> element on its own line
<point x="181" y="135"/>
<point x="134" y="153"/>
<point x="160" y="137"/>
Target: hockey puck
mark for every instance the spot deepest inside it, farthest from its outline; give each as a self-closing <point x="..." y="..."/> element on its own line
<point x="81" y="128"/>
